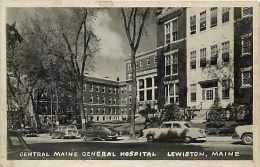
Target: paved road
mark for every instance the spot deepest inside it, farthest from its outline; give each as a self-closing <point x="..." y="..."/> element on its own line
<point x="124" y="148"/>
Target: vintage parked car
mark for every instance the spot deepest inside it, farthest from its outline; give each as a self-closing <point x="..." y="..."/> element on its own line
<point x="65" y="131"/>
<point x="28" y="132"/>
<point x="99" y="132"/>
<point x="175" y="131"/>
<point x="15" y="144"/>
<point x="244" y="133"/>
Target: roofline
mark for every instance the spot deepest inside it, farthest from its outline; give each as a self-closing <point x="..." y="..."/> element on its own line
<point x="143" y="54"/>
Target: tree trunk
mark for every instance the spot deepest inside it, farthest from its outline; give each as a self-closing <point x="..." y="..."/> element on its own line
<point x="81" y="106"/>
<point x="36" y="116"/>
<point x="134" y="94"/>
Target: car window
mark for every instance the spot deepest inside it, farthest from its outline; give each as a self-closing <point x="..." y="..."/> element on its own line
<point x="166" y="126"/>
<point x="187" y="125"/>
<point x="15" y="141"/>
<point x="176" y="125"/>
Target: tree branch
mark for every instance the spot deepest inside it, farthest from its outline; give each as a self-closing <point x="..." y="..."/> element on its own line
<point x="126" y="27"/>
<point x="141" y="29"/>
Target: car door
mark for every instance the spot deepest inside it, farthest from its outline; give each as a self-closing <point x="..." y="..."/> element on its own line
<point x="163" y="134"/>
<point x="176" y="131"/>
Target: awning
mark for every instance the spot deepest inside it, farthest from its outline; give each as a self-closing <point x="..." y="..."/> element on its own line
<point x="209" y="83"/>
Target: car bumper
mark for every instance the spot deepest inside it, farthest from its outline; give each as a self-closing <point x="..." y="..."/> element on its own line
<point x="201" y="139"/>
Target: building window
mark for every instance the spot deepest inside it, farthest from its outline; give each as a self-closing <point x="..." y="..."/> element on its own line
<point x="84" y="87"/>
<point x="246" y="44"/>
<point x="103" y="100"/>
<point x="149" y="94"/>
<point x="171" y="31"/>
<point x="213" y="17"/>
<point x="91" y="88"/>
<point x="114" y="90"/>
<point x="137" y="64"/>
<point x="174" y="63"/>
<point x="172" y="93"/>
<point x="214" y="55"/>
<point x="246" y="77"/>
<point x="97" y="89"/>
<point x="167" y="29"/>
<point x="156" y="94"/>
<point x="193" y="94"/>
<point x="149" y="82"/>
<point x="129" y="76"/>
<point x="168" y="65"/>
<point x="110" y="101"/>
<point x="225" y="15"/>
<point x="203" y="23"/>
<point x="91" y="99"/>
<point x="148" y="61"/>
<point x="103" y="89"/>
<point x="110" y="90"/>
<point x="156" y="80"/>
<point x="225" y="51"/>
<point x="193" y="59"/>
<point x="171" y="63"/>
<point x="114" y="101"/>
<point x="129" y="88"/>
<point x="129" y="67"/>
<point x="91" y="111"/>
<point x="97" y="99"/>
<point x="155" y="59"/>
<point x="210" y="93"/>
<point x="193" y="24"/>
<point x="174" y="30"/>
<point x="141" y="83"/>
<point x="247" y="11"/>
<point x="203" y="57"/>
<point x="225" y="89"/>
<point x="122" y="90"/>
<point x="141" y="95"/>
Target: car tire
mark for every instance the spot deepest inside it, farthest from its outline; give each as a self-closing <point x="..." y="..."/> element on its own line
<point x="247" y="139"/>
<point x="150" y="138"/>
<point x="187" y="139"/>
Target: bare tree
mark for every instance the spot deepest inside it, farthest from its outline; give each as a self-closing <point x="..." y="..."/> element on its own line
<point x="66" y="44"/>
<point x="134" y="20"/>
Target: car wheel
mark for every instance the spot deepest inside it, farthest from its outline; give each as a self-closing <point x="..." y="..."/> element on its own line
<point x="150" y="138"/>
<point x="187" y="139"/>
<point x="247" y="139"/>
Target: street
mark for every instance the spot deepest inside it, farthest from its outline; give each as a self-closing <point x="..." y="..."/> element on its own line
<point x="217" y="148"/>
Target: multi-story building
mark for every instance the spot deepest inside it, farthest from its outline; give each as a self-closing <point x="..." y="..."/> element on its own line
<point x="210" y="57"/>
<point x="146" y="76"/>
<point x="171" y="53"/>
<point x="243" y="43"/>
<point x="105" y="100"/>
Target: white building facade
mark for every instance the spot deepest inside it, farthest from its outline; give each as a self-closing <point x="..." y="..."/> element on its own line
<point x="210" y="57"/>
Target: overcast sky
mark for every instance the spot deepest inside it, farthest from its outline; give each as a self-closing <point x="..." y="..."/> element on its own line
<point x="114" y="48"/>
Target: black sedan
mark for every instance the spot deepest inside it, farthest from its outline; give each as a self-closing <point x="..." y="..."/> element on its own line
<point x="99" y="133"/>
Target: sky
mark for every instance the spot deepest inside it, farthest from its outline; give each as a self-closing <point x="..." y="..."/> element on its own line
<point x="114" y="47"/>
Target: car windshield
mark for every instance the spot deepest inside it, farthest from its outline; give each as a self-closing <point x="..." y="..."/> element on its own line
<point x="187" y="125"/>
<point x="166" y="125"/>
